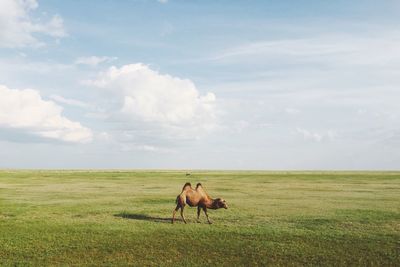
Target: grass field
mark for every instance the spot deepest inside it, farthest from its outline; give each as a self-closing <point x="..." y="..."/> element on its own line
<point x="123" y="218"/>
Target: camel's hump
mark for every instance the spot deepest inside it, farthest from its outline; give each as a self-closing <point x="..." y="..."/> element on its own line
<point x="187" y="185"/>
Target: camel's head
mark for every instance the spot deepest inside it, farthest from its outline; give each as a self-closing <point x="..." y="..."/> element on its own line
<point x="220" y="203"/>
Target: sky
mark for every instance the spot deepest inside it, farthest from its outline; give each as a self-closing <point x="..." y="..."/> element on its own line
<point x="174" y="84"/>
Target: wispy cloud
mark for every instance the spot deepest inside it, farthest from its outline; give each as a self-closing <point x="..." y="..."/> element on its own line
<point x="94" y="60"/>
<point x="19" y="28"/>
<point x="329" y="48"/>
<point x="70" y="101"/>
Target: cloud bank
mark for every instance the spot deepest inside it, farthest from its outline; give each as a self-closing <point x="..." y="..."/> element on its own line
<point x="154" y="100"/>
<point x="26" y="111"/>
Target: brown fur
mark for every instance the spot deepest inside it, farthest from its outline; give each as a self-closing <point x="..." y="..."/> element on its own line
<point x="196" y="198"/>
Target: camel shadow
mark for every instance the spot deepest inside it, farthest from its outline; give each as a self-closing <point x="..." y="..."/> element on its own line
<point x="143" y="217"/>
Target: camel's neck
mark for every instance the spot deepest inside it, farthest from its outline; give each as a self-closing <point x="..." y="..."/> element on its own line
<point x="210" y="203"/>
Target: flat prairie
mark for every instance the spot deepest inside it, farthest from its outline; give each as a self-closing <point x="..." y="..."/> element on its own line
<point x="123" y="218"/>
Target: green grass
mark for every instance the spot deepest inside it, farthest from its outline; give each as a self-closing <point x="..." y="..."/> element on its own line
<point x="275" y="218"/>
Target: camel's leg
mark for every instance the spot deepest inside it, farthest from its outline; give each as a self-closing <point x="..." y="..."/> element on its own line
<point x="205" y="212"/>
<point x="174" y="212"/>
<point x="183" y="217"/>
<point x="198" y="213"/>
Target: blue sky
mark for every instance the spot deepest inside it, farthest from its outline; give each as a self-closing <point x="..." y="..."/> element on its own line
<point x="200" y="84"/>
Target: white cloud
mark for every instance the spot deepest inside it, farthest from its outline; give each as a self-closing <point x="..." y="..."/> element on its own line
<point x="316" y="136"/>
<point x="18" y="28"/>
<point x="163" y="1"/>
<point x="93" y="60"/>
<point x="292" y="111"/>
<point x="240" y="125"/>
<point x="147" y="148"/>
<point x="69" y="101"/>
<point x="159" y="100"/>
<point x="27" y="111"/>
<point x="309" y="135"/>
